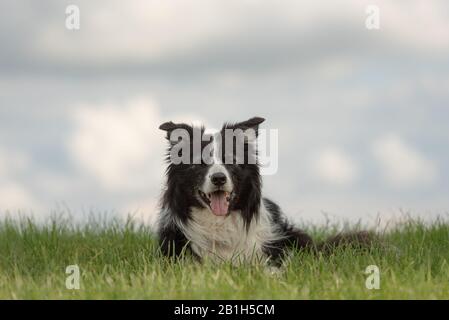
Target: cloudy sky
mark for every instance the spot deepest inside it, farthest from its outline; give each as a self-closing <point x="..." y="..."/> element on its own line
<point x="362" y="114"/>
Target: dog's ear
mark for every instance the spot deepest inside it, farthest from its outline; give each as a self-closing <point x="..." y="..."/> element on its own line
<point x="170" y="126"/>
<point x="252" y="123"/>
<point x="179" y="132"/>
<point x="250" y="127"/>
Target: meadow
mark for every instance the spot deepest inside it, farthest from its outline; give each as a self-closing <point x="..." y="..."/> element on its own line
<point x="120" y="260"/>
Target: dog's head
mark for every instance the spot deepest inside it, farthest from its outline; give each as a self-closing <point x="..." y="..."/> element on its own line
<point x="217" y="171"/>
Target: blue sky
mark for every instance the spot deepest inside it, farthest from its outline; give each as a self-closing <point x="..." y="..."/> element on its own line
<point x="362" y="114"/>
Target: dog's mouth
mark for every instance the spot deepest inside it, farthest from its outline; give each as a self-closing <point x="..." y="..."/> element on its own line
<point x="218" y="201"/>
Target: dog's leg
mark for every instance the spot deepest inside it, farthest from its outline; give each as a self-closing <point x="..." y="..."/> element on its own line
<point x="172" y="241"/>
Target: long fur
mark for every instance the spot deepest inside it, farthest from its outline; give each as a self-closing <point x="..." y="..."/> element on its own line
<point x="255" y="228"/>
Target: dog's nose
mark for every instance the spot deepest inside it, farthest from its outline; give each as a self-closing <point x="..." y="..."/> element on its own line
<point x="218" y="179"/>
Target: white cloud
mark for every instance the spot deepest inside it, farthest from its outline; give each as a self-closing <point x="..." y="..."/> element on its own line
<point x="2" y="167"/>
<point x="402" y="165"/>
<point x="119" y="145"/>
<point x="140" y="30"/>
<point x="334" y="167"/>
<point x="304" y="48"/>
<point x="190" y="119"/>
<point x="144" y="210"/>
<point x="411" y="25"/>
<point x="369" y="208"/>
<point x="13" y="195"/>
<point x="155" y="31"/>
<point x="12" y="162"/>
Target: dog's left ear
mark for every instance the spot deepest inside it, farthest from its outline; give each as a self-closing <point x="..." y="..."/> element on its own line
<point x="250" y="127"/>
<point x="252" y="123"/>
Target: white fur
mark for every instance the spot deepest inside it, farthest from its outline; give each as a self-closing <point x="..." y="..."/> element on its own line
<point x="226" y="238"/>
<point x="208" y="185"/>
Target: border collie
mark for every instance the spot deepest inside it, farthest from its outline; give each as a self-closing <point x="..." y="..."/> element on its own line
<point x="215" y="208"/>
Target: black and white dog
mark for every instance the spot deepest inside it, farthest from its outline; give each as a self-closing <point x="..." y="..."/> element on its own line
<point x="215" y="209"/>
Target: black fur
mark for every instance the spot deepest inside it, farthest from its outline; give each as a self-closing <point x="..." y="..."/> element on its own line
<point x="294" y="238"/>
<point x="181" y="195"/>
<point x="173" y="241"/>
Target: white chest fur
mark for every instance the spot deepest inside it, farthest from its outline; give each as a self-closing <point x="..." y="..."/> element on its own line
<point x="226" y="238"/>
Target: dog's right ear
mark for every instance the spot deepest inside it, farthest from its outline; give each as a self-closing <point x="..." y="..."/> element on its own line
<point x="168" y="126"/>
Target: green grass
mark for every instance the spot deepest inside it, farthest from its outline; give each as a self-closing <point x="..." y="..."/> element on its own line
<point x="120" y="261"/>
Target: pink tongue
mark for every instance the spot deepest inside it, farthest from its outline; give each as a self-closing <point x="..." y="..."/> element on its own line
<point x="218" y="203"/>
